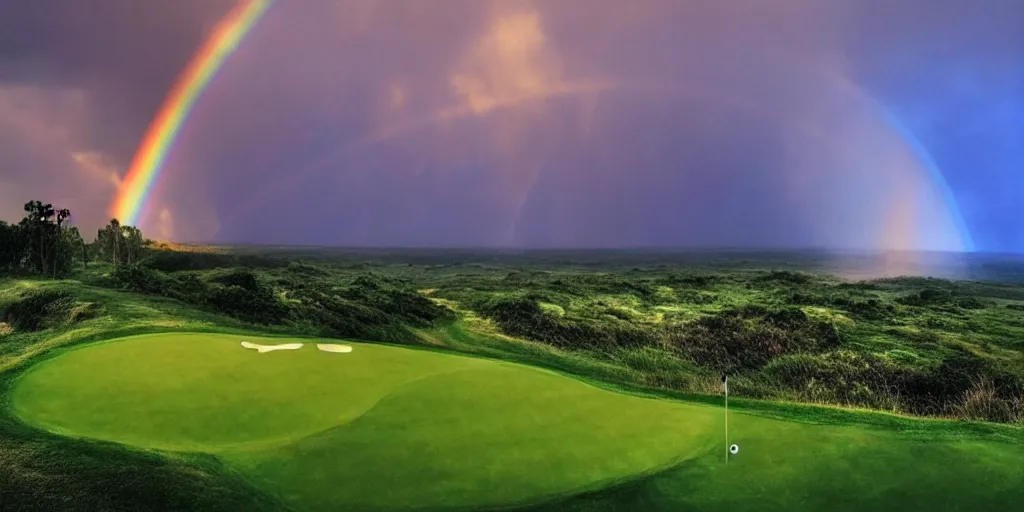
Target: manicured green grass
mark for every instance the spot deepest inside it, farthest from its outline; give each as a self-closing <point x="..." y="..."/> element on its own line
<point x="787" y="466"/>
<point x="388" y="428"/>
<point x="379" y="428"/>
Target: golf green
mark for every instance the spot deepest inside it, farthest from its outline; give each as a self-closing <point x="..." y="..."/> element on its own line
<point x="387" y="428"/>
<point x="380" y="427"/>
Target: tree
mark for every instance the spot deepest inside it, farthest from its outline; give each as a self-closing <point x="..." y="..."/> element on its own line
<point x="77" y="243"/>
<point x="121" y="244"/>
<point x="40" y="233"/>
<point x="59" y="251"/>
<point x="13" y="247"/>
<point x="132" y="244"/>
<point x="108" y="241"/>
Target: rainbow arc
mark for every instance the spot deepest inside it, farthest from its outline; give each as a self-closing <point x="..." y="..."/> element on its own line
<point x="163" y="131"/>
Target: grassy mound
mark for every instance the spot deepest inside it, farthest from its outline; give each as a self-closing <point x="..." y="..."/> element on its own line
<point x="42" y="309"/>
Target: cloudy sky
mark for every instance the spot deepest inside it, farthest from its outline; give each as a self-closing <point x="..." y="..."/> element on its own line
<point x="841" y="123"/>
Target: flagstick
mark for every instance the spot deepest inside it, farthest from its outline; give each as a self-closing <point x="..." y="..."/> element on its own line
<point x="726" y="419"/>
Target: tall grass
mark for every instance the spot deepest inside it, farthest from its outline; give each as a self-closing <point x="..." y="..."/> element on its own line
<point x="983" y="402"/>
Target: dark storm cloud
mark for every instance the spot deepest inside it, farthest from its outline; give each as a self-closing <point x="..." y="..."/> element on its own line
<point x="597" y="122"/>
<point x="116" y="59"/>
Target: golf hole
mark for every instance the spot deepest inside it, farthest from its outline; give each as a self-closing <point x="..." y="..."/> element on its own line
<point x="734" y="449"/>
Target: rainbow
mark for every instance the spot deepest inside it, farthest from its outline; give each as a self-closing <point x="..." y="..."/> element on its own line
<point x="163" y="131"/>
<point x="933" y="173"/>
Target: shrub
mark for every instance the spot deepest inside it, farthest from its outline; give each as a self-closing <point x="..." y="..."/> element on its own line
<point x="240" y="278"/>
<point x="398" y="306"/>
<point x="175" y="261"/>
<point x="971" y="303"/>
<point x="982" y="402"/>
<point x="305" y="270"/>
<point x="366" y="311"/>
<point x="841" y="376"/>
<point x="523" y="317"/>
<point x="83" y="311"/>
<point x="690" y="281"/>
<point x="785" y="276"/>
<point x="257" y="306"/>
<point x="749" y="337"/>
<point x="37" y="309"/>
<point x="139" y="278"/>
<point x="185" y="287"/>
<point x="942" y="299"/>
<point x="241" y="294"/>
<point x="942" y="389"/>
<point x="870" y="309"/>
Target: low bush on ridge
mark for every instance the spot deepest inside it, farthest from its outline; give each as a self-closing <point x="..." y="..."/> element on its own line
<point x="43" y="309"/>
<point x="368" y="308"/>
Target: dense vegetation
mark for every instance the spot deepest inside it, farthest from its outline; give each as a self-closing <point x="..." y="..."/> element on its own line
<point x="668" y="323"/>
<point x="45" y="243"/>
<point x="911" y="345"/>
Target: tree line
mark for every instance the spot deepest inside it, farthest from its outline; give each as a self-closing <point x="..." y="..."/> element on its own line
<point x="45" y="242"/>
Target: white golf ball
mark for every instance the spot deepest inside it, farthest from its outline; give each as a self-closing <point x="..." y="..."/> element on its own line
<point x="734" y="449"/>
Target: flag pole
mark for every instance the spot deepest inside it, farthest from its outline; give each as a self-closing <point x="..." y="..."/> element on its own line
<point x="725" y="383"/>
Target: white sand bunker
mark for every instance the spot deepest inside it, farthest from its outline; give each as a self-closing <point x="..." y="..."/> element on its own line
<point x="328" y="347"/>
<point x="270" y="348"/>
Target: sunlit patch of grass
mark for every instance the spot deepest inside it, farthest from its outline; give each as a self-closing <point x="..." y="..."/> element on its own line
<point x="900" y="356"/>
<point x="451" y="304"/>
<point x="665" y="293"/>
<point x="829" y="315"/>
<point x="552" y="309"/>
<point x="681" y="313"/>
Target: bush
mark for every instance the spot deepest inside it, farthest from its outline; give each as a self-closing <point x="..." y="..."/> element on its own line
<point x="786" y="277"/>
<point x="842" y="376"/>
<point x="305" y="270"/>
<point x="140" y="279"/>
<point x="399" y="306"/>
<point x="240" y="278"/>
<point x="982" y="402"/>
<point x="748" y="338"/>
<point x="971" y="303"/>
<point x="176" y="261"/>
<point x="870" y="309"/>
<point x="185" y="287"/>
<point x="241" y="294"/>
<point x="942" y="389"/>
<point x="525" y="318"/>
<point x="943" y="300"/>
<point x="36" y="310"/>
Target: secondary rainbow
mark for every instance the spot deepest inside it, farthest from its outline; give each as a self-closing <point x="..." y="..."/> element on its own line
<point x="164" y="129"/>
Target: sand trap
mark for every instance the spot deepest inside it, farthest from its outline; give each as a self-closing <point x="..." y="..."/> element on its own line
<point x="340" y="349"/>
<point x="270" y="348"/>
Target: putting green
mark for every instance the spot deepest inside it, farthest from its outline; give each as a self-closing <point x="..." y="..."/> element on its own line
<point x="386" y="428"/>
<point x="378" y="428"/>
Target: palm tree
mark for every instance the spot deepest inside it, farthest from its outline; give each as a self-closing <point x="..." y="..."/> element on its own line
<point x="62" y="215"/>
<point x="38" y="219"/>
